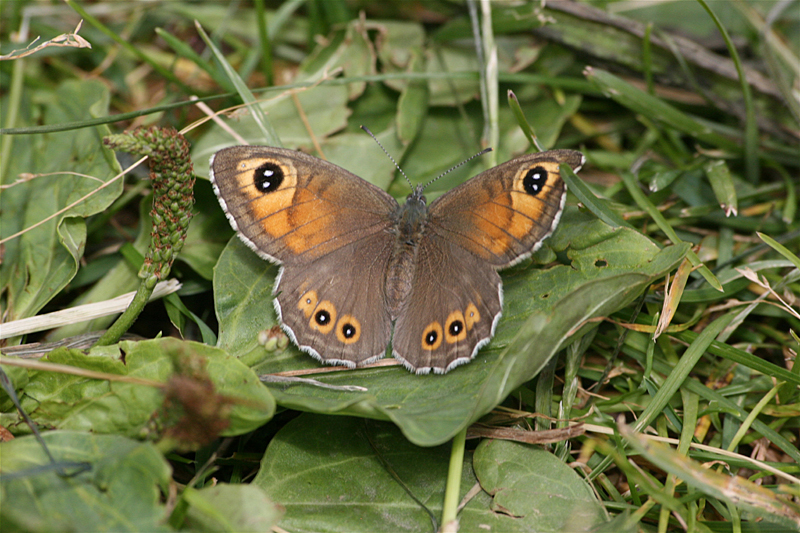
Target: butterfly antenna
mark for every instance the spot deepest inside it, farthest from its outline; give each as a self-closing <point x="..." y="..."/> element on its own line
<point x="389" y="156"/>
<point x="484" y="151"/>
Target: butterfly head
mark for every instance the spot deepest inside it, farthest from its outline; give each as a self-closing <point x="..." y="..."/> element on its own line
<point x="411" y="215"/>
<point x="417" y="196"/>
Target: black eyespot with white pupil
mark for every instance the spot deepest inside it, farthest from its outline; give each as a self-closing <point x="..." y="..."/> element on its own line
<point x="322" y="317"/>
<point x="348" y="330"/>
<point x="534" y="180"/>
<point x="268" y="177"/>
<point x="455" y="328"/>
<point x="430" y="338"/>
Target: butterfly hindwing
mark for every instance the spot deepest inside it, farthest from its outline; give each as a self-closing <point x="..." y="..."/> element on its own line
<point x="451" y="311"/>
<point x="332" y="307"/>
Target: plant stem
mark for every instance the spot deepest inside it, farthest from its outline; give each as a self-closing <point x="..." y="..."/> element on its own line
<point x="453" y="488"/>
<point x="128" y="317"/>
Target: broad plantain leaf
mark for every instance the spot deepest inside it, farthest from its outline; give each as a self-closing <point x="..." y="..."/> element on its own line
<point x="40" y="262"/>
<point x="360" y="475"/>
<point x="607" y="269"/>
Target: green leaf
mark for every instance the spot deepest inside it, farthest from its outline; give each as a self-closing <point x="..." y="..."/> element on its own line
<point x="356" y="57"/>
<point x="178" y="313"/>
<point x="122" y="490"/>
<point x="17" y="378"/>
<point x="527" y="482"/>
<point x="550" y="117"/>
<point x="231" y="508"/>
<point x="371" y="163"/>
<point x="40" y="262"/>
<point x="325" y="107"/>
<point x="67" y="401"/>
<point x="425" y="158"/>
<point x="122" y="278"/>
<point x="719" y="175"/>
<point x="412" y="108"/>
<point x="608" y="268"/>
<point x="397" y="44"/>
<point x="355" y="475"/>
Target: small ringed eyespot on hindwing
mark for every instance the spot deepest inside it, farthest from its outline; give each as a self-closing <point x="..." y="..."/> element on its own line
<point x="268" y="177"/>
<point x="307" y="303"/>
<point x="348" y="329"/>
<point x="534" y="181"/>
<point x="471" y="316"/>
<point x="324" y="317"/>
<point x="455" y="328"/>
<point x="432" y="336"/>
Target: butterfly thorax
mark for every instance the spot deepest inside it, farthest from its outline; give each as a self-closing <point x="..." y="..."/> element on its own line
<point x="409" y="225"/>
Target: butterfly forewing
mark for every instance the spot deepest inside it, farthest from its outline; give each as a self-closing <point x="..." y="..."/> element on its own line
<point x="290" y="206"/>
<point x="502" y="215"/>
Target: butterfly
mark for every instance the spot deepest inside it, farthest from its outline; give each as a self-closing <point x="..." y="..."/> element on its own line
<point x="358" y="270"/>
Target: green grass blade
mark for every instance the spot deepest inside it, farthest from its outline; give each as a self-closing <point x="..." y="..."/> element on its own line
<point x="713" y="397"/>
<point x="681" y="371"/>
<point x="585" y="195"/>
<point x="184" y="50"/>
<point x="751" y="127"/>
<point x="270" y="135"/>
<point x="741" y="357"/>
<point x="633" y="188"/>
<point x="656" y="109"/>
<point x="781" y="249"/>
<point x="524" y="125"/>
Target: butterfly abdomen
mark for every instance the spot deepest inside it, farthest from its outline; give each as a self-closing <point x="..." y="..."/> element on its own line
<point x="408" y="228"/>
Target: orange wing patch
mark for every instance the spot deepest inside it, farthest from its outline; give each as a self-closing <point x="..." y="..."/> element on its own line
<point x="324" y="317"/>
<point x="348" y="329"/>
<point x="516" y="213"/>
<point x="471" y="316"/>
<point x="280" y="207"/>
<point x="307" y="303"/>
<point x="431" y="337"/>
<point x="455" y="328"/>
